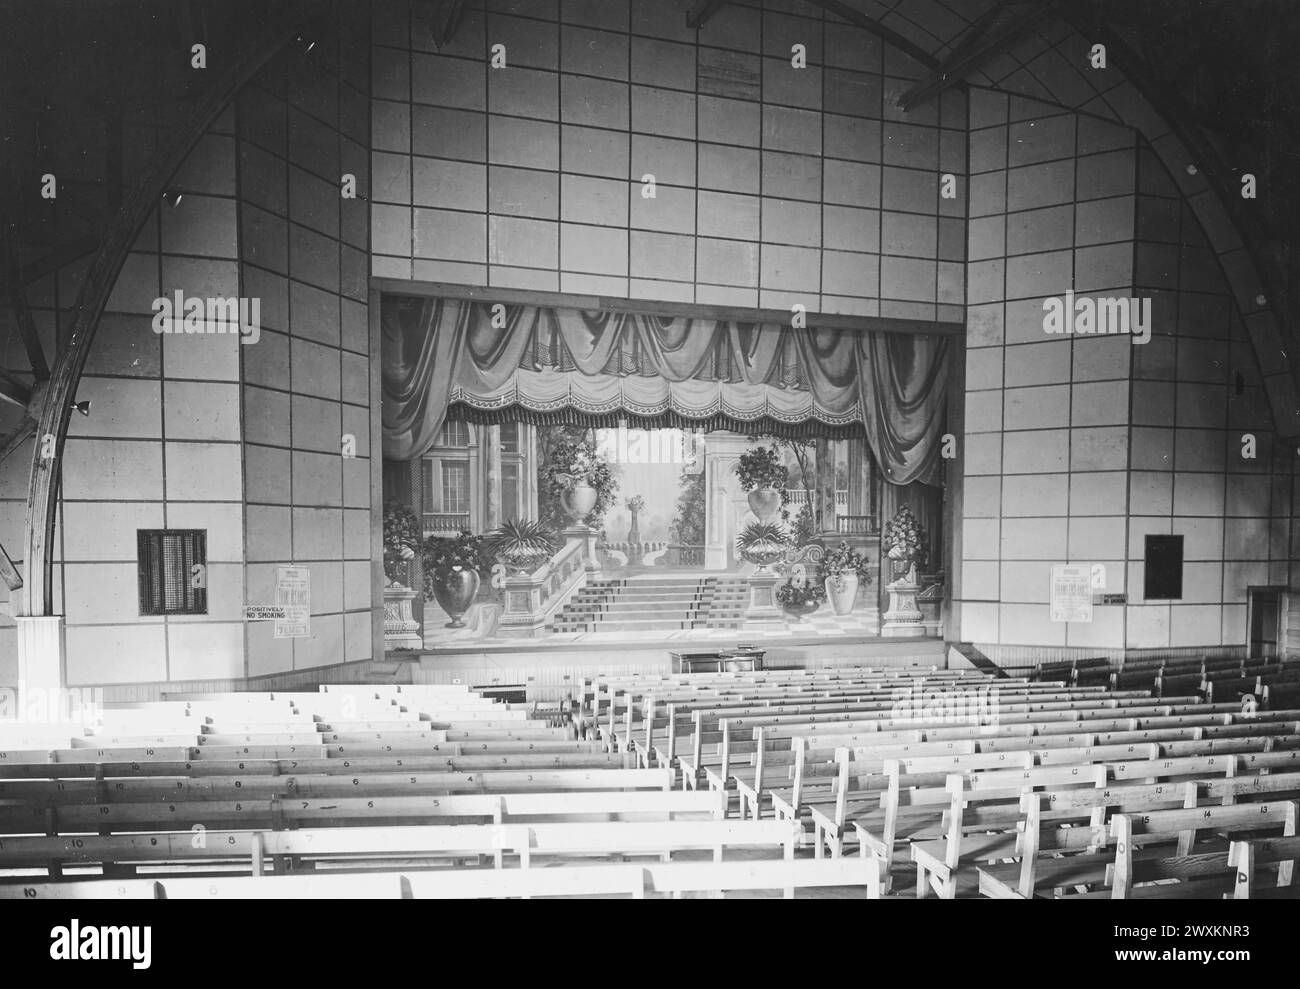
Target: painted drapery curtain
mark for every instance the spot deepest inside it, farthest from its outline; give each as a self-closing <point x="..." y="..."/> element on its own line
<point x="542" y="361"/>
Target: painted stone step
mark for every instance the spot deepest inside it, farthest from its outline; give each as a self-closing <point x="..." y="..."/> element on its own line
<point x="637" y="626"/>
<point x="694" y="587"/>
<point x="659" y="592"/>
<point x="642" y="610"/>
<point x="657" y="589"/>
<point x="654" y="604"/>
<point x="729" y="624"/>
<point x="615" y="612"/>
<point x="706" y="582"/>
<point x="650" y="581"/>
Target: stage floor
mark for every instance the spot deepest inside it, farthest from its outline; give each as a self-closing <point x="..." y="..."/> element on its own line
<point x="823" y="624"/>
<point x="554" y="671"/>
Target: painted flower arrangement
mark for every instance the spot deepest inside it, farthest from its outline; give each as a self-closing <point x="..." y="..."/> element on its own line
<point x="403" y="535"/>
<point x="904" y="542"/>
<point x="795" y="596"/>
<point x="444" y="553"/>
<point x="844" y="560"/>
<point x="451" y="572"/>
<point x="571" y="466"/>
<point x="574" y="463"/>
<point x="761" y="468"/>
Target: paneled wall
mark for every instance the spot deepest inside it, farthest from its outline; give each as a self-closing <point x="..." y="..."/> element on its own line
<point x="1197" y="394"/>
<point x="307" y="382"/>
<point x="1077" y="446"/>
<point x="198" y="431"/>
<point x="161" y="447"/>
<point x="774" y="185"/>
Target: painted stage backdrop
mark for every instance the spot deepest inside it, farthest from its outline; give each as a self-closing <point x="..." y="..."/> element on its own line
<point x="557" y="476"/>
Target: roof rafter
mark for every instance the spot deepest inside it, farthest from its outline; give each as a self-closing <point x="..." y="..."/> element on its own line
<point x="14" y="391"/>
<point x="20" y="435"/>
<point x="699" y="15"/>
<point x="981" y="42"/>
<point x="855" y="17"/>
<point x="444" y="20"/>
<point x="23" y="316"/>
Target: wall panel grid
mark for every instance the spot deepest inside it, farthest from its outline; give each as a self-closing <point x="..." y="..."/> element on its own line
<point x="1078" y="446"/>
<point x="773" y="185"/>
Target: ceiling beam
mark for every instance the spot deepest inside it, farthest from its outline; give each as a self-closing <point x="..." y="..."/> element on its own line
<point x="20" y="435"/>
<point x="445" y="20"/>
<point x="62" y="255"/>
<point x="14" y="391"/>
<point x="699" y="15"/>
<point x="978" y="46"/>
<point x="855" y="17"/>
<point x="23" y="316"/>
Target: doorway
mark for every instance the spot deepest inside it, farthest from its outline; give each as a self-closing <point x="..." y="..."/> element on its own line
<point x="1263" y="621"/>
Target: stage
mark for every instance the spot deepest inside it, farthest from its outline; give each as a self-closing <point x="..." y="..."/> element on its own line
<point x="549" y="672"/>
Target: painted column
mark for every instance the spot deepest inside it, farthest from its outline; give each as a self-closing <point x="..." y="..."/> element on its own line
<point x="492" y="475"/>
<point x="826" y="486"/>
<point x="725" y="507"/>
<point x="859" y="477"/>
<point x="418" y="467"/>
<point x="528" y="470"/>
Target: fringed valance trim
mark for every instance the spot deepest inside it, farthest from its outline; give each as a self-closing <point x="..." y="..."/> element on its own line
<point x="669" y="419"/>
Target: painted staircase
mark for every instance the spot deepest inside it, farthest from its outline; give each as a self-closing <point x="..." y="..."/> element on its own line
<point x="656" y="604"/>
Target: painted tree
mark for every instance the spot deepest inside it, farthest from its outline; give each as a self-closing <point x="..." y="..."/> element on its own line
<point x="688" y="527"/>
<point x="804" y="451"/>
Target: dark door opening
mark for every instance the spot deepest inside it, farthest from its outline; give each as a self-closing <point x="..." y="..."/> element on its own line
<point x="1263" y="613"/>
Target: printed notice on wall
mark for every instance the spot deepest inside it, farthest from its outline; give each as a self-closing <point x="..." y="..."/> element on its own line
<point x="264" y="613"/>
<point x="1071" y="593"/>
<point x="293" y="593"/>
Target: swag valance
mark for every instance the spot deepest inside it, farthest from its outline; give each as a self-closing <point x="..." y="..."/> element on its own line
<point x="544" y="362"/>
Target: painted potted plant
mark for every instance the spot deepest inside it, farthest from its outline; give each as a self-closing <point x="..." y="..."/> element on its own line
<point x="762" y="544"/>
<point x="521" y="546"/>
<point x="764" y="477"/>
<point x="846" y="570"/>
<point x="800" y="598"/>
<point x="582" y="481"/>
<point x="451" y="573"/>
<point x="904" y="544"/>
<point x="403" y="535"/>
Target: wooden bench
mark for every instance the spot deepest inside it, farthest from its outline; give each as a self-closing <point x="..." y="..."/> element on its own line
<point x="299" y="809"/>
<point x="818" y="784"/>
<point x="837" y="716"/>
<point x="1063" y="831"/>
<point x="1158" y="827"/>
<point x="325" y="785"/>
<point x="313" y="848"/>
<point x="859" y="774"/>
<point x="634" y="881"/>
<point x="1246" y="857"/>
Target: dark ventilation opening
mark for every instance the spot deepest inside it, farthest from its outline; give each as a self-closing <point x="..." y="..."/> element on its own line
<point x="173" y="571"/>
<point x="1164" y="568"/>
